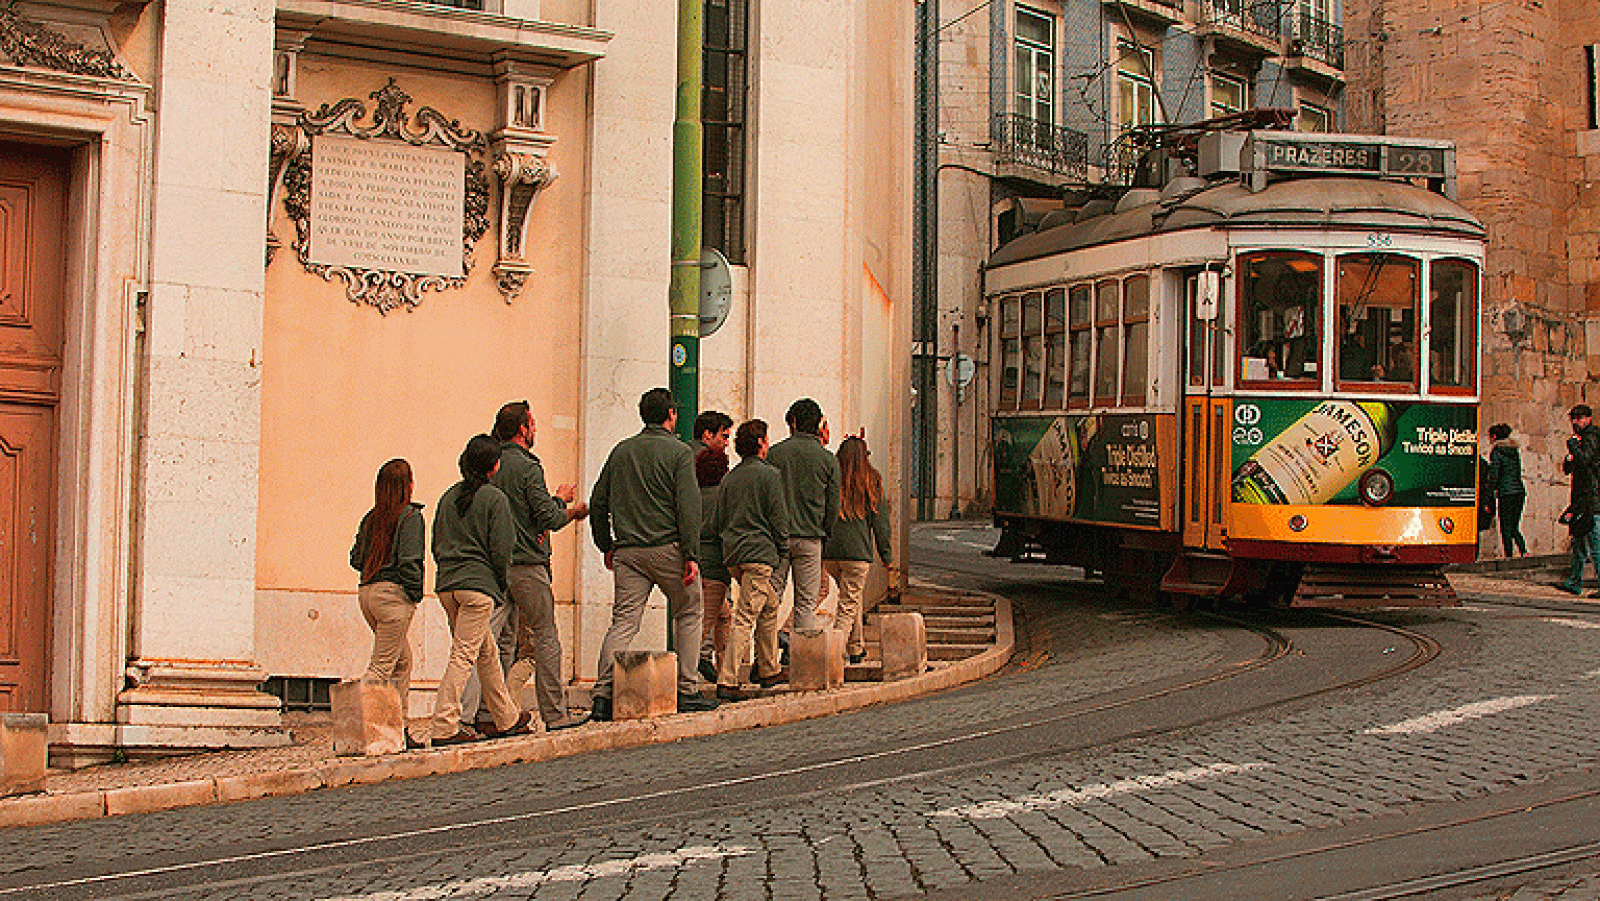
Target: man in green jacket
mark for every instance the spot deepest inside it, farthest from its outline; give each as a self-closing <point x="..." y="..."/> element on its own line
<point x="530" y="628"/>
<point x="751" y="517"/>
<point x="645" y="516"/>
<point x="811" y="492"/>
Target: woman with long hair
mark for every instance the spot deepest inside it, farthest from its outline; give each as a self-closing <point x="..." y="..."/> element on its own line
<point x="710" y="465"/>
<point x="388" y="554"/>
<point x="473" y="535"/>
<point x="862" y="526"/>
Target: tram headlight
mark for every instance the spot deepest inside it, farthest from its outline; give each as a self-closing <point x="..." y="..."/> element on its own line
<point x="1376" y="487"/>
<point x="1298" y="523"/>
<point x="1447" y="525"/>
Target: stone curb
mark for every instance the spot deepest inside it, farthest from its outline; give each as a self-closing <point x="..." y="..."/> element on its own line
<point x="38" y="810"/>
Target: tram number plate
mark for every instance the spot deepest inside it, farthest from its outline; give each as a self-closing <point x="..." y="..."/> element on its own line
<point x="1380" y="239"/>
<point x="1416" y="160"/>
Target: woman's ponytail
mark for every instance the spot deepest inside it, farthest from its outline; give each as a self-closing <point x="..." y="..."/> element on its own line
<point x="477" y="462"/>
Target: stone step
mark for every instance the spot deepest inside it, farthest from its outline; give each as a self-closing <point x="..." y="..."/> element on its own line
<point x="962" y="611"/>
<point x="954" y="651"/>
<point x="959" y="622"/>
<point x="942" y="600"/>
<point x="960" y="636"/>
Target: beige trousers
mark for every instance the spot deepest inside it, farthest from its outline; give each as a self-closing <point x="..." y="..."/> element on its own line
<point x="805" y="562"/>
<point x="634" y="571"/>
<point x="851" y="577"/>
<point x="718" y="612"/>
<point x="755" y="618"/>
<point x="538" y="642"/>
<point x="388" y="612"/>
<point x="471" y="645"/>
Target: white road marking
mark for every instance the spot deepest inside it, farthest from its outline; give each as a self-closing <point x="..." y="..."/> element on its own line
<point x="1437" y="720"/>
<point x="994" y="810"/>
<point x="1571" y="623"/>
<point x="1592" y="674"/>
<point x="484" y="885"/>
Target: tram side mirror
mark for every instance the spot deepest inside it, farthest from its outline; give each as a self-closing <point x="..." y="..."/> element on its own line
<point x="1208" y="289"/>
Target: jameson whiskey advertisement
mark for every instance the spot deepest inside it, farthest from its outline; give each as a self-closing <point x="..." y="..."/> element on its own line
<point x="1096" y="468"/>
<point x="1320" y="452"/>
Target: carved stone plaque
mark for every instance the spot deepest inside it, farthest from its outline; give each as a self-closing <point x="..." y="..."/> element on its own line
<point x="387" y="205"/>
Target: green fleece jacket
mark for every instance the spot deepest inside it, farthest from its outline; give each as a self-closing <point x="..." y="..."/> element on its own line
<point x="473" y="551"/>
<point x="810" y="484"/>
<point x="537" y="513"/>
<point x="404" y="566"/>
<point x="751" y="515"/>
<point x="647" y="495"/>
<point x="854" y="539"/>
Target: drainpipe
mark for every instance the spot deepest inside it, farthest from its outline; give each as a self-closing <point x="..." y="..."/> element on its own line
<point x="684" y="290"/>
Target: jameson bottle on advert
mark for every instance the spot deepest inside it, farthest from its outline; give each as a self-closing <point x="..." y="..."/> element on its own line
<point x="1318" y="455"/>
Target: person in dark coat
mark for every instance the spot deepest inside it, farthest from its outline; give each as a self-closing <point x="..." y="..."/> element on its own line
<point x="1583" y="464"/>
<point x="1505" y="486"/>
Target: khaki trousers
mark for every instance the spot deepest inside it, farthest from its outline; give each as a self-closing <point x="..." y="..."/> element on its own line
<point x="851" y="577"/>
<point x="471" y="645"/>
<point x="634" y="571"/>
<point x="538" y="642"/>
<point x="388" y="612"/>
<point x="755" y="618"/>
<point x="718" y="612"/>
<point x="805" y="561"/>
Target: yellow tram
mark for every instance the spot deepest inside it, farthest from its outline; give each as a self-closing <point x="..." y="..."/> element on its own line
<point x="1258" y="380"/>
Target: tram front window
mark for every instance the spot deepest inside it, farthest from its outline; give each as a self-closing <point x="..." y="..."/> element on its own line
<point x="1280" y="299"/>
<point x="1452" y="323"/>
<point x="1377" y="297"/>
<point x="1032" y="352"/>
<point x="1055" y="346"/>
<point x="1078" y="362"/>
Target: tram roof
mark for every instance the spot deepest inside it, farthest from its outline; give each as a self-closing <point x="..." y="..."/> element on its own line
<point x="1302" y="203"/>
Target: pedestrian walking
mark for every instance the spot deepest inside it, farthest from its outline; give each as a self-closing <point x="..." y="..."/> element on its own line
<point x="1583" y="464"/>
<point x="531" y="624"/>
<point x="388" y="554"/>
<point x="711" y="429"/>
<point x="860" y="528"/>
<point x="710" y="466"/>
<point x="1505" y="486"/>
<point x="473" y="537"/>
<point x="811" y="497"/>
<point x="751" y="516"/>
<point x="644" y="513"/>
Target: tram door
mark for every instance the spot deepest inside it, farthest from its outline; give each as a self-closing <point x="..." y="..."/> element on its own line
<point x="1207" y="416"/>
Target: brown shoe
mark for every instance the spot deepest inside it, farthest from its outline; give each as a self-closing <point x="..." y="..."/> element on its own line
<point x="461" y="737"/>
<point x="732" y="693"/>
<point x="522" y="726"/>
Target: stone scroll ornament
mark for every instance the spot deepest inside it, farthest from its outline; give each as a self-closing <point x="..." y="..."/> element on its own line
<point x="381" y="288"/>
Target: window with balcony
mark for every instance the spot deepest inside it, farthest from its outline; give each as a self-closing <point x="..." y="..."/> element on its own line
<point x="1136" y="88"/>
<point x="1314" y="33"/>
<point x="722" y="117"/>
<point x="1229" y="95"/>
<point x="1035" y="74"/>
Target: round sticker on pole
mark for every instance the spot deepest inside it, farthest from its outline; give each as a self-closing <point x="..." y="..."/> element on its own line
<point x="960" y="370"/>
<point x="716" y="290"/>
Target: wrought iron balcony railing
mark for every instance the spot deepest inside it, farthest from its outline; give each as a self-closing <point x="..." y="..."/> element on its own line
<point x="1049" y="148"/>
<point x="1257" y="17"/>
<point x="1316" y="38"/>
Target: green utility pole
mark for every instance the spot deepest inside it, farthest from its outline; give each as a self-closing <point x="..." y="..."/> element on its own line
<point x="684" y="293"/>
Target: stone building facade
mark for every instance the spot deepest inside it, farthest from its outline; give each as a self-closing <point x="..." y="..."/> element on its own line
<point x="1513" y="85"/>
<point x="254" y="248"/>
<point x="1036" y="99"/>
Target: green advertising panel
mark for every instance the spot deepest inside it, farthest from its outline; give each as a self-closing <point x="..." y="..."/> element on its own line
<point x="1097" y="468"/>
<point x="1352" y="452"/>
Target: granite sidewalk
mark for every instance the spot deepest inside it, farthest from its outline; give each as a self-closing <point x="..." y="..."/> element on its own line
<point x="308" y="764"/>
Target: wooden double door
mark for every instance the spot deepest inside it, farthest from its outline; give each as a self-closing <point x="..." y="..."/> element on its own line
<point x="33" y="184"/>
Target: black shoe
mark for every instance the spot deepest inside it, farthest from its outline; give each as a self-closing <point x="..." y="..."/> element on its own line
<point x="730" y="693"/>
<point x="600" y="710"/>
<point x="783" y="648"/>
<point x="777" y="678"/>
<point x="522" y="726"/>
<point x="414" y="745"/>
<point x="857" y="658"/>
<point x="461" y="737"/>
<point x="708" y="670"/>
<point x="567" y="723"/>
<point x="695" y="703"/>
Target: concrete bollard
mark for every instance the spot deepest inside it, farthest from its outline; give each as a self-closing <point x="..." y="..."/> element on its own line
<point x="816" y="659"/>
<point x="645" y="684"/>
<point x="903" y="640"/>
<point x="366" y="718"/>
<point x="24" y="752"/>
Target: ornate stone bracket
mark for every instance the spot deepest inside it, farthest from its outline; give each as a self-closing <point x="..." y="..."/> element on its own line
<point x="28" y="43"/>
<point x="520" y="150"/>
<point x="384" y="289"/>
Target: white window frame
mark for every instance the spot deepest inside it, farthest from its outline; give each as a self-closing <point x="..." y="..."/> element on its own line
<point x="1038" y="97"/>
<point x="1135" y="66"/>
<point x="1324" y="112"/>
<point x="1244" y="93"/>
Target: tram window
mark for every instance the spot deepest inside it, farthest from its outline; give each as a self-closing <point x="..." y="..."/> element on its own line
<point x="1078" y="371"/>
<point x="1032" y="352"/>
<point x="1135" y="339"/>
<point x="1377" y="300"/>
<point x="1280" y="299"/>
<point x="1010" y="350"/>
<point x="1452" y="339"/>
<point x="1055" y="346"/>
<point x="1107" y="332"/>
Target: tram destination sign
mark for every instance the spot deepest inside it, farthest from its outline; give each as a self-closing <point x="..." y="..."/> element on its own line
<point x="1286" y="153"/>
